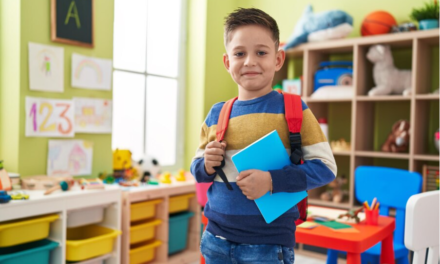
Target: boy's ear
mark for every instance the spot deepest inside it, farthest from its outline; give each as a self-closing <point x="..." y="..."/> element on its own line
<point x="226" y="61"/>
<point x="281" y="56"/>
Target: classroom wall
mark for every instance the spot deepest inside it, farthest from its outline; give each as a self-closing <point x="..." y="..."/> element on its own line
<point x="30" y="22"/>
<point x="218" y="85"/>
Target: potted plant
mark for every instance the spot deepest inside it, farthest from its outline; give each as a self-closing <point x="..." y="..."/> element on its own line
<point x="427" y="16"/>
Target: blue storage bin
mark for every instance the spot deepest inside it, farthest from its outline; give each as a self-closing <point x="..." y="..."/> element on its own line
<point x="178" y="231"/>
<point x="37" y="252"/>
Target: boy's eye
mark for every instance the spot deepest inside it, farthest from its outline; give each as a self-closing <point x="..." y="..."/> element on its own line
<point x="239" y="54"/>
<point x="261" y="53"/>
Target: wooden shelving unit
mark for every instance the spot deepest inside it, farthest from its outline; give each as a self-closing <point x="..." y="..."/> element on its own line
<point x="357" y="118"/>
<point x="164" y="192"/>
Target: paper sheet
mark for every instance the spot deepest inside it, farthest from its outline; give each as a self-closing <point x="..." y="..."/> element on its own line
<point x="93" y="115"/>
<point x="91" y="73"/>
<point x="69" y="158"/>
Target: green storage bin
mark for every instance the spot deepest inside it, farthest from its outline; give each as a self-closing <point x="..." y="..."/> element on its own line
<point x="178" y="231"/>
<point x="37" y="252"/>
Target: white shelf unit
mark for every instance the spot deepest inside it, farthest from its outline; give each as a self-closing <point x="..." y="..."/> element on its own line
<point x="164" y="192"/>
<point x="357" y="115"/>
<point x="62" y="203"/>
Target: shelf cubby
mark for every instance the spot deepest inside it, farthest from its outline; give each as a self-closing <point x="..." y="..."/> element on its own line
<point x="426" y="57"/>
<point x="374" y="121"/>
<point x="426" y="123"/>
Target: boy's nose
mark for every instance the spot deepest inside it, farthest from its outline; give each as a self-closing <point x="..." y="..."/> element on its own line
<point x="250" y="61"/>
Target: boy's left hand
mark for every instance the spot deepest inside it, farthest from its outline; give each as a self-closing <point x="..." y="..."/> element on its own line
<point x="254" y="183"/>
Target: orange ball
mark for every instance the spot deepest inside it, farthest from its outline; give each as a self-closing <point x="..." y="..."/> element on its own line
<point x="378" y="22"/>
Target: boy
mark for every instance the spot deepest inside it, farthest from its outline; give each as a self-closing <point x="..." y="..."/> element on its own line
<point x="236" y="232"/>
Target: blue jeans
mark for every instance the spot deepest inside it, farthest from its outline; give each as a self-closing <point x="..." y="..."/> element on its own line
<point x="220" y="251"/>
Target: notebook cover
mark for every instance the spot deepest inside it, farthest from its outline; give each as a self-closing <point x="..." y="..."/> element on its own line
<point x="268" y="153"/>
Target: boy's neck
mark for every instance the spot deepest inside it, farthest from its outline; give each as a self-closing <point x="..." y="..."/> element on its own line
<point x="245" y="95"/>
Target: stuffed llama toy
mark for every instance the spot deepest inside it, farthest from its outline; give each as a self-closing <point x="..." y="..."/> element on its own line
<point x="387" y="78"/>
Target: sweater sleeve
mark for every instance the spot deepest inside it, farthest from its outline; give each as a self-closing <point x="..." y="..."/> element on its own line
<point x="198" y="162"/>
<point x="319" y="167"/>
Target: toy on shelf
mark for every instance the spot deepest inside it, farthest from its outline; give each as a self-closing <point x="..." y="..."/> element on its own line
<point x="129" y="183"/>
<point x="42" y="182"/>
<point x="180" y="176"/>
<point x="292" y="86"/>
<point x="333" y="73"/>
<point x="378" y="22"/>
<point x="388" y="79"/>
<point x="165" y="178"/>
<point x="398" y="139"/>
<point x="88" y="184"/>
<point x="19" y="195"/>
<point x="336" y="193"/>
<point x="4" y="197"/>
<point x="430" y="178"/>
<point x="404" y="27"/>
<point x="122" y="165"/>
<point x="340" y="145"/>
<point x="437" y="139"/>
<point x="5" y="181"/>
<point x="333" y="24"/>
<point x="148" y="167"/>
<point x="64" y="186"/>
<point x="352" y="214"/>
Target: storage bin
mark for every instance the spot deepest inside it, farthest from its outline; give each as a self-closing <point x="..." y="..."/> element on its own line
<point x="89" y="241"/>
<point x="143" y="231"/>
<point x="179" y="203"/>
<point x="26" y="230"/>
<point x="37" y="252"/>
<point x="144" y="252"/>
<point x="143" y="210"/>
<point x="85" y="216"/>
<point x="178" y="231"/>
<point x="97" y="260"/>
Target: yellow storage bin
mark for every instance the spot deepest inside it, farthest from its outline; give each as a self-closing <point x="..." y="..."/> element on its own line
<point x="144" y="231"/>
<point x="26" y="230"/>
<point x="180" y="203"/>
<point x="143" y="210"/>
<point x="89" y="241"/>
<point x="144" y="253"/>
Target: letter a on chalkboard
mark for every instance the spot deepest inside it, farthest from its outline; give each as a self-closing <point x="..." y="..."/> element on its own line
<point x="73" y="13"/>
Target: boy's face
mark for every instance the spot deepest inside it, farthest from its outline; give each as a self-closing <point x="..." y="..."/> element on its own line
<point x="251" y="59"/>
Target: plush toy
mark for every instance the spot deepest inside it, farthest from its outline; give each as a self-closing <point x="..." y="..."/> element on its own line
<point x="398" y="139"/>
<point x="331" y="24"/>
<point x="336" y="194"/>
<point x="388" y="79"/>
<point x="147" y="167"/>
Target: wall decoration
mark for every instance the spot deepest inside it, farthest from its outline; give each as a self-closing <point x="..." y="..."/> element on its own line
<point x="91" y="73"/>
<point x="46" y="68"/>
<point x="49" y="117"/>
<point x="93" y="115"/>
<point x="69" y="158"/>
<point x="72" y="22"/>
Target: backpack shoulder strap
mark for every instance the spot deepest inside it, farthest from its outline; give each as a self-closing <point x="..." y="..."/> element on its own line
<point x="223" y="120"/>
<point x="293" y="110"/>
<point x="294" y="117"/>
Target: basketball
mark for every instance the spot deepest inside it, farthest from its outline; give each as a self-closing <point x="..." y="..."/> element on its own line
<point x="376" y="23"/>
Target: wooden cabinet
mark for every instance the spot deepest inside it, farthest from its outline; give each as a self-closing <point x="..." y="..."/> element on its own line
<point x="366" y="121"/>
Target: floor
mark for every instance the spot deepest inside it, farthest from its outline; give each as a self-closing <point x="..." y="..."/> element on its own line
<point x="301" y="259"/>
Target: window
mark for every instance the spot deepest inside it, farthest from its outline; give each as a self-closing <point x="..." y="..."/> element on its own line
<point x="148" y="59"/>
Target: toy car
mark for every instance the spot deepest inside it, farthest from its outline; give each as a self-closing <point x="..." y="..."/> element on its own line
<point x="19" y="196"/>
<point x="4" y="197"/>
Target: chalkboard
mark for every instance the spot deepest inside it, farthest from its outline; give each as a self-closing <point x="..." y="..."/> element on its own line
<point x="72" y="22"/>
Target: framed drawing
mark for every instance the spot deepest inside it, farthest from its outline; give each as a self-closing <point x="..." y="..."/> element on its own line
<point x="72" y="22"/>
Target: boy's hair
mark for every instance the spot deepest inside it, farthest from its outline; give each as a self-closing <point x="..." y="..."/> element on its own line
<point x="251" y="16"/>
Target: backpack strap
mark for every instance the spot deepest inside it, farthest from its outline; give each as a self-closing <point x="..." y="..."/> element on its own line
<point x="294" y="117"/>
<point x="222" y="126"/>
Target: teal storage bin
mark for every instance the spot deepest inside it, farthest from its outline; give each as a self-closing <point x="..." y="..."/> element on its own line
<point x="37" y="252"/>
<point x="178" y="231"/>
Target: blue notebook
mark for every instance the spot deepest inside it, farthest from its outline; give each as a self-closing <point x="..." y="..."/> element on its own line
<point x="268" y="153"/>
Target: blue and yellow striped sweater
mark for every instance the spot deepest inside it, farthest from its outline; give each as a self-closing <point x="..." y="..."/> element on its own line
<point x="231" y="215"/>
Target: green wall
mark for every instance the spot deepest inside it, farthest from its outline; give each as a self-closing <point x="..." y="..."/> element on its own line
<point x="214" y="83"/>
<point x="29" y="154"/>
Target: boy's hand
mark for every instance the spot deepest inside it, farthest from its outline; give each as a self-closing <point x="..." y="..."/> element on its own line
<point x="254" y="183"/>
<point x="214" y="153"/>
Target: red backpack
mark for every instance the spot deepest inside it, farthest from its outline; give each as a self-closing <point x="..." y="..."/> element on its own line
<point x="294" y="116"/>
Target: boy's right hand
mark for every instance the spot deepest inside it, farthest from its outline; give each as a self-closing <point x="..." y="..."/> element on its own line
<point x="214" y="153"/>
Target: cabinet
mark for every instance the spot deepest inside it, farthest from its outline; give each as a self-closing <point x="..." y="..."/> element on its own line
<point x="161" y="197"/>
<point x="65" y="204"/>
<point x="366" y="121"/>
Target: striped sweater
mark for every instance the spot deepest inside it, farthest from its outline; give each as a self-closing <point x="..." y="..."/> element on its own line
<point x="233" y="216"/>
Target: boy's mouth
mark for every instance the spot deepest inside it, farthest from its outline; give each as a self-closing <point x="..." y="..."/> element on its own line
<point x="251" y="73"/>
